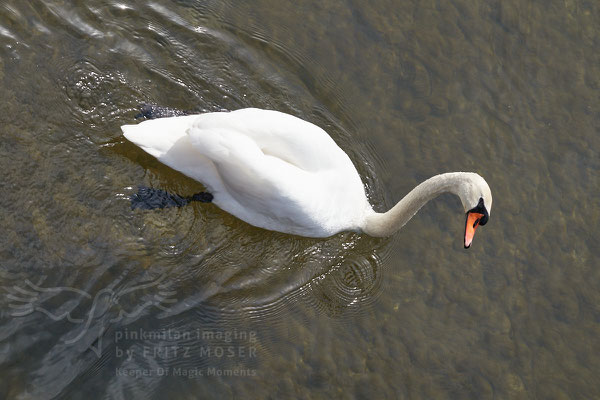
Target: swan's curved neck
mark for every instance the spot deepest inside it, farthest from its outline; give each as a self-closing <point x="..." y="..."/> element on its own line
<point x="385" y="224"/>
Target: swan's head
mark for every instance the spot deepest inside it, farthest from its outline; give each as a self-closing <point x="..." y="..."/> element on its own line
<point x="476" y="197"/>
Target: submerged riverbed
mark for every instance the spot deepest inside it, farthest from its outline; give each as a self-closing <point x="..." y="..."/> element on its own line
<point x="102" y="301"/>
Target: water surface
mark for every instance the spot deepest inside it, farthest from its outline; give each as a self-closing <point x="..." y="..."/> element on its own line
<point x="100" y="301"/>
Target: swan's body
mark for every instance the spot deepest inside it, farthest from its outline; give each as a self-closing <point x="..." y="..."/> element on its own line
<point x="281" y="173"/>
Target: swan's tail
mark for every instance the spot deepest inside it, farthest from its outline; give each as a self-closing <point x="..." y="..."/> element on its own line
<point x="157" y="136"/>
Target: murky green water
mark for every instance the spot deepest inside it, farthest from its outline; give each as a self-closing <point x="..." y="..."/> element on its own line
<point x="99" y="301"/>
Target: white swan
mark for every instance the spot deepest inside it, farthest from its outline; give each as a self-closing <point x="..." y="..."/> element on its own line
<point x="281" y="173"/>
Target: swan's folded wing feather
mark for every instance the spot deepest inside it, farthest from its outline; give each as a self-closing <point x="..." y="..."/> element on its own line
<point x="266" y="185"/>
<point x="241" y="162"/>
<point x="280" y="135"/>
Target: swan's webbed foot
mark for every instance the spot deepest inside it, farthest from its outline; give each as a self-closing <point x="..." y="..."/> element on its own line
<point x="149" y="199"/>
<point x="203" y="197"/>
<point x="150" y="111"/>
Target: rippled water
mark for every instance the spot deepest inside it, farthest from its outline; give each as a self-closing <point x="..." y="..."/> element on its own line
<point x="101" y="301"/>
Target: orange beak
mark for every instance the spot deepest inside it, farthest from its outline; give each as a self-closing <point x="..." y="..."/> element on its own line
<point x="471" y="225"/>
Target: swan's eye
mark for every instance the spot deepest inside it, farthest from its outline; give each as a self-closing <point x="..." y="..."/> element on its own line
<point x="483" y="220"/>
<point x="480" y="209"/>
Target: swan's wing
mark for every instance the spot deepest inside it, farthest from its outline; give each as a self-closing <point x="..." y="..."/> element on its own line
<point x="280" y="135"/>
<point x="259" y="188"/>
<point x="280" y="172"/>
